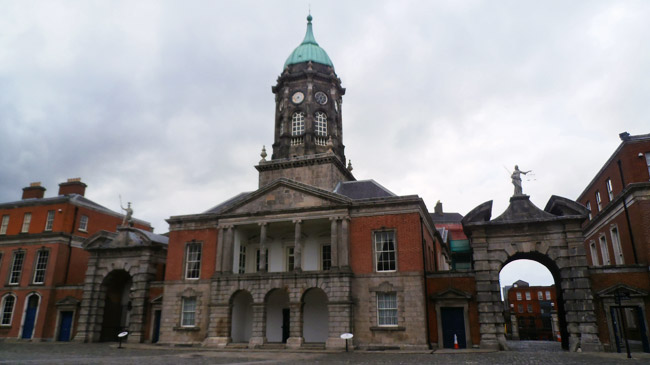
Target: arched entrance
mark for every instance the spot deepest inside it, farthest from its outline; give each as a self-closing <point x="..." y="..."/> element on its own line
<point x="31" y="312"/>
<point x="278" y="316"/>
<point x="552" y="237"/>
<point x="534" y="313"/>
<point x="117" y="286"/>
<point x="241" y="305"/>
<point x="315" y="316"/>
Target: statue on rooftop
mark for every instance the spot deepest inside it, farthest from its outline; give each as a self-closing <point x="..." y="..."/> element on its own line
<point x="516" y="180"/>
<point x="128" y="218"/>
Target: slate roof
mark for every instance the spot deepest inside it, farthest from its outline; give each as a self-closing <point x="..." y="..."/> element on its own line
<point x="446" y="217"/>
<point x="219" y="207"/>
<point x="364" y="189"/>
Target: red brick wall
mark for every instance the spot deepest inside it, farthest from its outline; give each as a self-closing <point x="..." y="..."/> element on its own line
<point x="176" y="252"/>
<point x="408" y="236"/>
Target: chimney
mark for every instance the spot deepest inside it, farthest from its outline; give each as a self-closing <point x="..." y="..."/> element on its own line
<point x="34" y="191"/>
<point x="624" y="136"/>
<point x="438" y="208"/>
<point x="72" y="186"/>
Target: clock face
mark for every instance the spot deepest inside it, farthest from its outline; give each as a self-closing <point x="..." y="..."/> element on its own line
<point x="298" y="97"/>
<point x="321" y="98"/>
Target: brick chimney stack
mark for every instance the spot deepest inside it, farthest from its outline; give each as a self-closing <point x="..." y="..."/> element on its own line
<point x="34" y="191"/>
<point x="72" y="186"/>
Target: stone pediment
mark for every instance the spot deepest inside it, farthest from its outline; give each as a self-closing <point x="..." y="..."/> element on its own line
<point x="126" y="237"/>
<point x="67" y="301"/>
<point x="450" y="293"/>
<point x="622" y="290"/>
<point x="284" y="194"/>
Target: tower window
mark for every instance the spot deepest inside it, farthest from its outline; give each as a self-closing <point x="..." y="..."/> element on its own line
<point x="321" y="123"/>
<point x="298" y="123"/>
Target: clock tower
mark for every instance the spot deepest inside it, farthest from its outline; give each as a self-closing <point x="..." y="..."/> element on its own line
<point x="308" y="134"/>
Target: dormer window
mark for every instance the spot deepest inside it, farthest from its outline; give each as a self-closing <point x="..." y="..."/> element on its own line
<point x="298" y="124"/>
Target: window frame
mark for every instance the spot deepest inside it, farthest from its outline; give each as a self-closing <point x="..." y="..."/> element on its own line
<point x="13" y="272"/>
<point x="599" y="201"/>
<point x="49" y="221"/>
<point x="520" y="308"/>
<point x="528" y="296"/>
<point x="377" y="253"/>
<point x="604" y="250"/>
<point x="393" y="312"/>
<point x="241" y="267"/>
<point x="197" y="262"/>
<point x="595" y="260"/>
<point x="610" y="190"/>
<point x="619" y="258"/>
<point x="185" y="312"/>
<point x="529" y="308"/>
<point x="3" y="310"/>
<point x="297" y="124"/>
<point x="320" y="124"/>
<point x="519" y="297"/>
<point x="588" y="206"/>
<point x="40" y="270"/>
<point x="326" y="262"/>
<point x="540" y="295"/>
<point x="289" y="258"/>
<point x="548" y="295"/>
<point x="83" y="223"/>
<point x="4" y="224"/>
<point x="27" y="220"/>
<point x="258" y="253"/>
<point x="647" y="161"/>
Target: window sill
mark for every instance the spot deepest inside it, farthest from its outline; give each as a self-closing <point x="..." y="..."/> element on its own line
<point x="188" y="329"/>
<point x="387" y="328"/>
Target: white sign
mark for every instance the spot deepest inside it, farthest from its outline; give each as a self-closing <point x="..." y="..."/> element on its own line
<point x="347" y="336"/>
<point x="122" y="334"/>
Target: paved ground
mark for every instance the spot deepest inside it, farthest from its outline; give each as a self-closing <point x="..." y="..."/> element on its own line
<point x="523" y="352"/>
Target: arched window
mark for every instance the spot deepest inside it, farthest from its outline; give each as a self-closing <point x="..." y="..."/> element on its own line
<point x="321" y="124"/>
<point x="298" y="123"/>
<point x="8" y="303"/>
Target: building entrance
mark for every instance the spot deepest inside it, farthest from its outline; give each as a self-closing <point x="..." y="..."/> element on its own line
<point x="117" y="286"/>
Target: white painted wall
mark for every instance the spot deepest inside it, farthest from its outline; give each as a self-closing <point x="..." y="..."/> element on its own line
<point x="275" y="302"/>
<point x="242" y="317"/>
<point x="315" y="316"/>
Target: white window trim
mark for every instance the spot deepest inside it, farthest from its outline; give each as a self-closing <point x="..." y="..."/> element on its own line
<point x="610" y="189"/>
<point x="396" y="309"/>
<point x="183" y="311"/>
<point x="11" y="268"/>
<point x="83" y="223"/>
<point x="320" y="124"/>
<point x="36" y="266"/>
<point x="519" y="297"/>
<point x="595" y="261"/>
<point x="528" y="296"/>
<point x="297" y="123"/>
<point x="49" y="220"/>
<point x="287" y="256"/>
<point x="187" y="262"/>
<point x="599" y="201"/>
<point x="3" y="308"/>
<point x="4" y="225"/>
<point x="27" y="220"/>
<point x="619" y="259"/>
<point x="604" y="250"/>
<point x="588" y="205"/>
<point x="376" y="255"/>
<point x="548" y="295"/>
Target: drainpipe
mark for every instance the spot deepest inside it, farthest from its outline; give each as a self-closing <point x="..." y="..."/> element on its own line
<point x="424" y="274"/>
<point x="627" y="215"/>
<point x="67" y="266"/>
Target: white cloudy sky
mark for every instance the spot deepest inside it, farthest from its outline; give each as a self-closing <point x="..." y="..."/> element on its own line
<point x="168" y="103"/>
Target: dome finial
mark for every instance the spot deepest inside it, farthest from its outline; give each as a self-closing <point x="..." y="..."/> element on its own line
<point x="309" y="17"/>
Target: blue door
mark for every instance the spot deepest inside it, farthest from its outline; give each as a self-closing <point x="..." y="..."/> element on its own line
<point x="30" y="316"/>
<point x="156" y="327"/>
<point x="453" y="323"/>
<point x="65" y="327"/>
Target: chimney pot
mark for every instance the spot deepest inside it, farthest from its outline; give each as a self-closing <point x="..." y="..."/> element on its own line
<point x="72" y="186"/>
<point x="34" y="191"/>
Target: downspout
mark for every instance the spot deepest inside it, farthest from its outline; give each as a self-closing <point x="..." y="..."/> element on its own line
<point x="627" y="215"/>
<point x="67" y="266"/>
<point x="426" y="287"/>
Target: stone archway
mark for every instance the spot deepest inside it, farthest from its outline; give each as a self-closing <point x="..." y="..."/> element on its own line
<point x="116" y="289"/>
<point x="553" y="237"/>
<point x="315" y="316"/>
<point x="241" y="314"/>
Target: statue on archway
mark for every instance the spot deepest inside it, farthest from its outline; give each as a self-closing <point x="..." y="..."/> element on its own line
<point x="128" y="218"/>
<point x="516" y="180"/>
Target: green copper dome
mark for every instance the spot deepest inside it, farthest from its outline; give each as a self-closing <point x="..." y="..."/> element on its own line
<point x="308" y="50"/>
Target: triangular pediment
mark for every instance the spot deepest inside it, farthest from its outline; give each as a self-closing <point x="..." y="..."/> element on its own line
<point x="451" y="293"/>
<point x="623" y="291"/>
<point x="284" y="194"/>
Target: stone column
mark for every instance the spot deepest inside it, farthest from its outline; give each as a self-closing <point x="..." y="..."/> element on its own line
<point x="258" y="334"/>
<point x="297" y="246"/>
<point x="295" y="339"/>
<point x="263" y="267"/>
<point x="515" y="327"/>
<point x="89" y="302"/>
<point x="344" y="248"/>
<point x="220" y="242"/>
<point x="334" y="242"/>
<point x="138" y="295"/>
<point x="228" y="249"/>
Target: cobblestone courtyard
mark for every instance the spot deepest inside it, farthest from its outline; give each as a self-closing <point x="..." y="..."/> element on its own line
<point x="524" y="352"/>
